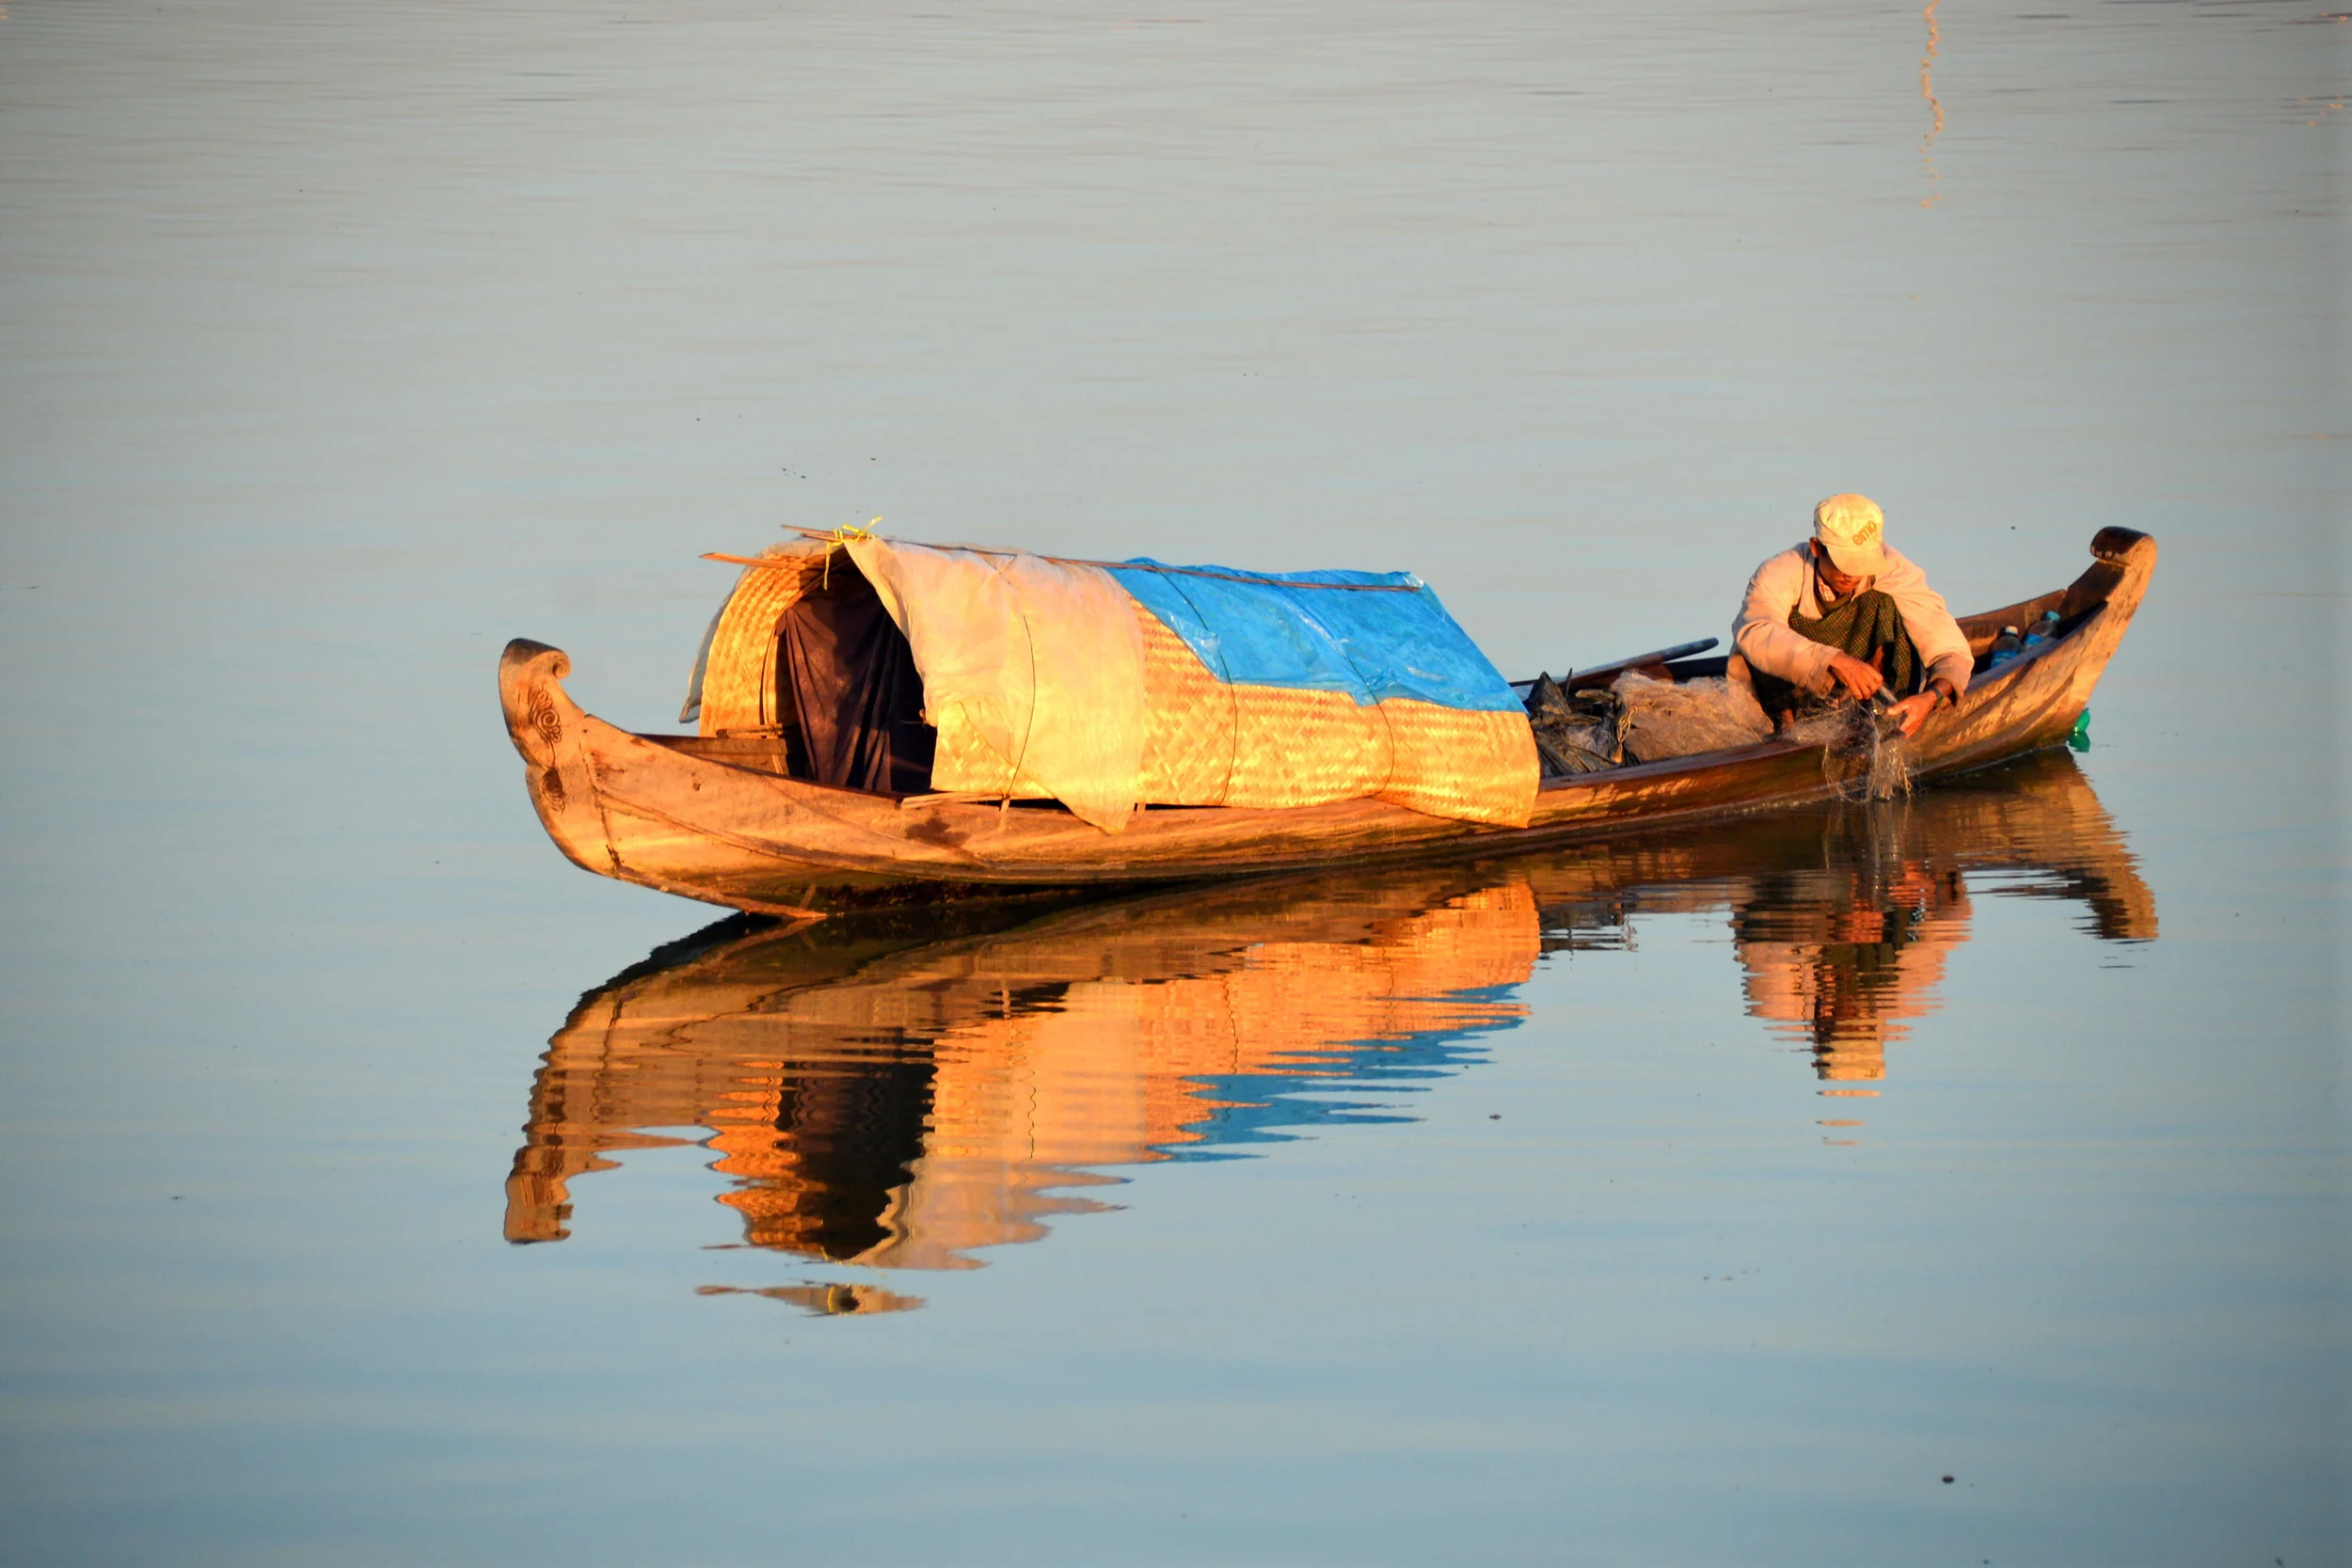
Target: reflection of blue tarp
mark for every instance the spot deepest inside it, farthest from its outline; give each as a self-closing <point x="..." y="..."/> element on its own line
<point x="1257" y="1105"/>
<point x="1371" y="645"/>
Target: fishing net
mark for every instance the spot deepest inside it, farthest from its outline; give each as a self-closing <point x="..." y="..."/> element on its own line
<point x="1573" y="734"/>
<point x="1642" y="719"/>
<point x="1862" y="753"/>
<point x="1660" y="720"/>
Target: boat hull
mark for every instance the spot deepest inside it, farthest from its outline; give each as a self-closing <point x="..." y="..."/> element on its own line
<point x="720" y="821"/>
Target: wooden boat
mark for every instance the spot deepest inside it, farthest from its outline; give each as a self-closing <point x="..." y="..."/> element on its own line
<point x="720" y="819"/>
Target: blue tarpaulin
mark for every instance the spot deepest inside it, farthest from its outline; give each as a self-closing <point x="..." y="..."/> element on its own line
<point x="1370" y="644"/>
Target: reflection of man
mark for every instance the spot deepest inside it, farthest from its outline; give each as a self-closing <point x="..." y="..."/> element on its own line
<point x="1842" y="609"/>
<point x="1835" y="956"/>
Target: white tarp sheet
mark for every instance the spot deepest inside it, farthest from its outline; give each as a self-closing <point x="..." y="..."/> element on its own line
<point x="1045" y="661"/>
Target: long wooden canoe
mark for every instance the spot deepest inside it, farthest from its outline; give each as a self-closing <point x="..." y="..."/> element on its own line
<point x="720" y="819"/>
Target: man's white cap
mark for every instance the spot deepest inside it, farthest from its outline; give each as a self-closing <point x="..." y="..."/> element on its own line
<point x="1854" y="530"/>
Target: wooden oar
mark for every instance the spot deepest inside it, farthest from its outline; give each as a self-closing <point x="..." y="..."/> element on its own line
<point x="1600" y="675"/>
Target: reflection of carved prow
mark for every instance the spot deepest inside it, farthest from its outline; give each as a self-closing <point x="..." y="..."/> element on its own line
<point x="563" y="1140"/>
<point x="538" y="1196"/>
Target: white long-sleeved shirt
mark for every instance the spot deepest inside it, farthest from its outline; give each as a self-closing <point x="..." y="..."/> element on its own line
<point x="1787" y="582"/>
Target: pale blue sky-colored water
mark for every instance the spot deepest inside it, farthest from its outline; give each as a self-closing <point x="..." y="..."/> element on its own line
<point x="338" y="346"/>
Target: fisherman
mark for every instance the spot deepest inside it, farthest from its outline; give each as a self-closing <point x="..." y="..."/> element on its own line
<point x="1842" y="609"/>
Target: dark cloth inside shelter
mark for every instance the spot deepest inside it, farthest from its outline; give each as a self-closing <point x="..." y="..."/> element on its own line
<point x="1867" y="626"/>
<point x="855" y="690"/>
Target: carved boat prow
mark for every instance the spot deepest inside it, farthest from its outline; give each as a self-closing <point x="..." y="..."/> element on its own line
<point x="720" y="819"/>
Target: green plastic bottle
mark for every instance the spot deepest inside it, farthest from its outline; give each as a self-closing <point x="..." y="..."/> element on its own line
<point x="2080" y="739"/>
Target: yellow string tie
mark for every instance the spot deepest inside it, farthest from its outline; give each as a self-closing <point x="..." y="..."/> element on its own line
<point x="853" y="533"/>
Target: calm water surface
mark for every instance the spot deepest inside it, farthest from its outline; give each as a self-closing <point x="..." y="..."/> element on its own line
<point x="1710" y="1197"/>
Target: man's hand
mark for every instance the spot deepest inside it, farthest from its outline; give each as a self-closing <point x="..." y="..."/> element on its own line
<point x="1911" y="712"/>
<point x="1855" y="677"/>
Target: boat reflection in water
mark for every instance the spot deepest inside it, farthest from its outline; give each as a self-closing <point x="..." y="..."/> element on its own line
<point x="898" y="1095"/>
